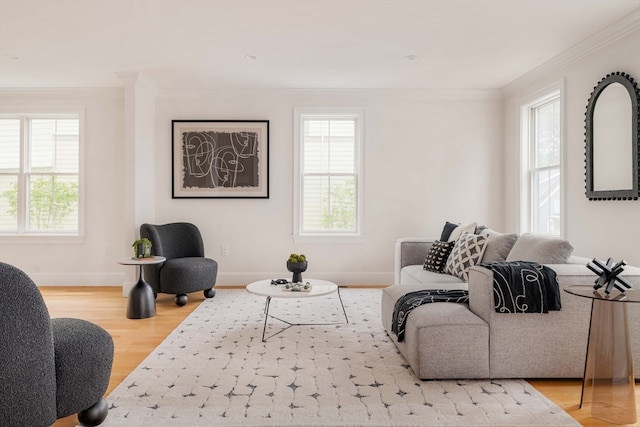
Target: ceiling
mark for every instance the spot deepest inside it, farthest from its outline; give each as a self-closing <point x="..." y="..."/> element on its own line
<point x="211" y="44"/>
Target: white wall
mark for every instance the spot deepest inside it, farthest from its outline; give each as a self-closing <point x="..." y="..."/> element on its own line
<point x="428" y="158"/>
<point x="90" y="259"/>
<point x="599" y="229"/>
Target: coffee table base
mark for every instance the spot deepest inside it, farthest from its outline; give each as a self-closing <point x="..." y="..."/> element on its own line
<point x="289" y="324"/>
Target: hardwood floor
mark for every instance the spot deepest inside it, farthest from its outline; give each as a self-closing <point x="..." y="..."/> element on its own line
<point x="135" y="339"/>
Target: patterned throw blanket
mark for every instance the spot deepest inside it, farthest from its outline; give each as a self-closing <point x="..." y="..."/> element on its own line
<point x="409" y="301"/>
<point x="524" y="287"/>
<point x="518" y="287"/>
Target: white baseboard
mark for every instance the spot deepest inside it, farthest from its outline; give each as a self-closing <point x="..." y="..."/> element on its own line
<point x="224" y="279"/>
<point x="77" y="279"/>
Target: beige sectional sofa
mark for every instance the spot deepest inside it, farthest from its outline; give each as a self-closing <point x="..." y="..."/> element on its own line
<point x="460" y="341"/>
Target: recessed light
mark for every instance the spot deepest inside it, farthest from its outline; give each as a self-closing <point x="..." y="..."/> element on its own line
<point x="250" y="57"/>
<point x="411" y="57"/>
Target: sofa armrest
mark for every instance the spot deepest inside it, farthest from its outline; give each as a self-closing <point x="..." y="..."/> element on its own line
<point x="410" y="251"/>
<point x="481" y="284"/>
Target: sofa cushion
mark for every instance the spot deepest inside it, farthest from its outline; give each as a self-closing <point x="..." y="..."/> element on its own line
<point x="437" y="256"/>
<point x="416" y="275"/>
<point x="443" y="340"/>
<point x="540" y="249"/>
<point x="498" y="245"/>
<point x="466" y="253"/>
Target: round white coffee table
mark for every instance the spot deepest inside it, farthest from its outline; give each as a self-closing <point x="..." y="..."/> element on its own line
<point x="319" y="288"/>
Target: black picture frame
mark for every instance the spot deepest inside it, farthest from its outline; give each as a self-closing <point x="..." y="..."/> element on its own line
<point x="633" y="164"/>
<point x="220" y="159"/>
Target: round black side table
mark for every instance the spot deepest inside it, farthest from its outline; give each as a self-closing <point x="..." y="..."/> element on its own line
<point x="142" y="302"/>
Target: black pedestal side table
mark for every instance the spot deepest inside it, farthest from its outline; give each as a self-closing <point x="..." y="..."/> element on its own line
<point x="142" y="301"/>
<point x="608" y="386"/>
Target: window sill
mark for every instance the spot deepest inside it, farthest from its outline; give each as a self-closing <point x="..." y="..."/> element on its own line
<point x="40" y="239"/>
<point x="324" y="238"/>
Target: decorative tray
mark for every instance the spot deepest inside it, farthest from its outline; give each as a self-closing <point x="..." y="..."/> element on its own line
<point x="297" y="287"/>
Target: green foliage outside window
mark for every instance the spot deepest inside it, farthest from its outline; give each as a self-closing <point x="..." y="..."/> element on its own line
<point x="51" y="201"/>
<point x="341" y="215"/>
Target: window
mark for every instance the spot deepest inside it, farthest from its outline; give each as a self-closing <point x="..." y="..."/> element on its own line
<point x="328" y="191"/>
<point x="39" y="174"/>
<point x="542" y="160"/>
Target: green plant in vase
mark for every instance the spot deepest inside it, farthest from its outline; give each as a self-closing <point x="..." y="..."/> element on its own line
<point x="142" y="248"/>
<point x="297" y="264"/>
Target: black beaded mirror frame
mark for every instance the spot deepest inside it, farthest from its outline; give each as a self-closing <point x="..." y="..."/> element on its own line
<point x="634" y="94"/>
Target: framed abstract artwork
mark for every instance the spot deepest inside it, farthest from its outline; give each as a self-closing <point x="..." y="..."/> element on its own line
<point x="220" y="159"/>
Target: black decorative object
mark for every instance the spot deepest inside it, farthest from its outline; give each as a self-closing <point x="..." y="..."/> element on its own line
<point x="297" y="264"/>
<point x="297" y="268"/>
<point x="631" y="190"/>
<point x="609" y="275"/>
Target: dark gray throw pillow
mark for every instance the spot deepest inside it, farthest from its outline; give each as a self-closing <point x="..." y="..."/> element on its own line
<point x="446" y="231"/>
<point x="437" y="257"/>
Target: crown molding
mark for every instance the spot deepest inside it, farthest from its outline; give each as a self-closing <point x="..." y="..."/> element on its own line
<point x="333" y="94"/>
<point x="72" y="92"/>
<point x="67" y="94"/>
<point x="132" y="79"/>
<point x="586" y="47"/>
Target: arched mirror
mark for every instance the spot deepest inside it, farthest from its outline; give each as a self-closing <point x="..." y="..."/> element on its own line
<point x="613" y="143"/>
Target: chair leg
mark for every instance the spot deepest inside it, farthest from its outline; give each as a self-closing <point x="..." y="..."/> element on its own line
<point x="94" y="415"/>
<point x="181" y="299"/>
<point x="209" y="293"/>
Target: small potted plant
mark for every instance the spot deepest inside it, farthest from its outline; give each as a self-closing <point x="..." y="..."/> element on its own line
<point x="142" y="248"/>
<point x="297" y="264"/>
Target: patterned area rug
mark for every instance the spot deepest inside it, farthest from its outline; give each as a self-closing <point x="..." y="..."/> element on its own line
<point x="214" y="370"/>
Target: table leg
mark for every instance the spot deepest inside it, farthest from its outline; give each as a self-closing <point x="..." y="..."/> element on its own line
<point x="266" y="317"/>
<point x="142" y="302"/>
<point x="342" y="305"/>
<point x="608" y="388"/>
<point x="289" y="324"/>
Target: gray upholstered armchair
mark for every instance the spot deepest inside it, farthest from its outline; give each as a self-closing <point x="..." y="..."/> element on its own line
<point x="49" y="368"/>
<point x="186" y="269"/>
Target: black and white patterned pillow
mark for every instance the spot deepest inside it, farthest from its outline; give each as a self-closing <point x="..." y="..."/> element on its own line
<point x="466" y="253"/>
<point x="437" y="256"/>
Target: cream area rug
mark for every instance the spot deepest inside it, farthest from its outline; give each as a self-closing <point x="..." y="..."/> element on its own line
<point x="214" y="370"/>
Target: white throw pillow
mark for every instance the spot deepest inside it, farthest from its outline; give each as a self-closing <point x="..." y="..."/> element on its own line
<point x="466" y="253"/>
<point x="461" y="229"/>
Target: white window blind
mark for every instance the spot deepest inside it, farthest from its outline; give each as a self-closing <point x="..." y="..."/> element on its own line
<point x="329" y="173"/>
<point x="543" y="145"/>
<point x="39" y="174"/>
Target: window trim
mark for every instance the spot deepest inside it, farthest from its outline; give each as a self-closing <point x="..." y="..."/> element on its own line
<point x="527" y="155"/>
<point x="44" y="237"/>
<point x="328" y="112"/>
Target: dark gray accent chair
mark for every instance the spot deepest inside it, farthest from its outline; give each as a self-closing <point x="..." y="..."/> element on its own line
<point x="49" y="368"/>
<point x="186" y="269"/>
